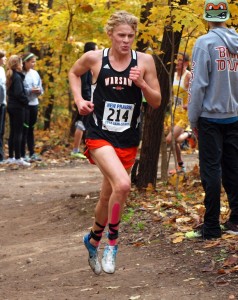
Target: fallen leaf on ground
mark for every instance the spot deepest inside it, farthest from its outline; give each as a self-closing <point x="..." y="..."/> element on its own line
<point x="230" y="261"/>
<point x="179" y="239"/>
<point x="189" y="279"/>
<point x="212" y="244"/>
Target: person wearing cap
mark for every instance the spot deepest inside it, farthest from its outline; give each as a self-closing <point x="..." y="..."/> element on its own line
<point x="33" y="88"/>
<point x="213" y="115"/>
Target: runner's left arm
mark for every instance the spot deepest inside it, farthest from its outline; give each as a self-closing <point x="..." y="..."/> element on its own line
<point x="145" y="77"/>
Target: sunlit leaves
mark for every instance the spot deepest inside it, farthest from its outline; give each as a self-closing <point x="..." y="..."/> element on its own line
<point x="69" y="24"/>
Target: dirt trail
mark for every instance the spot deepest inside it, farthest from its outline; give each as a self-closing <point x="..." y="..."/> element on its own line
<point x="44" y="215"/>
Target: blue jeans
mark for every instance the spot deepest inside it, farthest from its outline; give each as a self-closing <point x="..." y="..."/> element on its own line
<point x="2" y="129"/>
<point x="218" y="158"/>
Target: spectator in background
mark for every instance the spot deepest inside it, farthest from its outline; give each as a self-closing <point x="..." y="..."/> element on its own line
<point x="81" y="121"/>
<point x="180" y="87"/>
<point x="213" y="115"/>
<point x="3" y="102"/>
<point x="33" y="88"/>
<point x="16" y="106"/>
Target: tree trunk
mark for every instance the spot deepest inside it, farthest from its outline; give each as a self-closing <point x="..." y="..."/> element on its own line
<point x="73" y="120"/>
<point x="50" y="105"/>
<point x="19" y="6"/>
<point x="145" y="12"/>
<point x="154" y="119"/>
<point x="164" y="158"/>
<point x="18" y="38"/>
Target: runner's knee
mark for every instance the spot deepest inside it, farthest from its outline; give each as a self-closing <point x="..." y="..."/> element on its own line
<point x="123" y="186"/>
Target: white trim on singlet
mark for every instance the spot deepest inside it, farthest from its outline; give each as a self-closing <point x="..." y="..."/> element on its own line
<point x="134" y="54"/>
<point x="105" y="53"/>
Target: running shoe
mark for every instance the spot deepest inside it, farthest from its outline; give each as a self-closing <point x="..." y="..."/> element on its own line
<point x="193" y="234"/>
<point x="21" y="162"/>
<point x="109" y="259"/>
<point x="198" y="232"/>
<point x="93" y="255"/>
<point x="231" y="228"/>
<point x="35" y="157"/>
<point x="78" y="155"/>
<point x="26" y="158"/>
<point x="10" y="160"/>
<point x="181" y="169"/>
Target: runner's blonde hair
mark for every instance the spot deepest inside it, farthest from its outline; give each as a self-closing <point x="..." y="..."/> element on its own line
<point x="121" y="17"/>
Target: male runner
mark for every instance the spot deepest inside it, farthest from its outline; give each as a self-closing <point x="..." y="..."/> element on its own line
<point x="120" y="76"/>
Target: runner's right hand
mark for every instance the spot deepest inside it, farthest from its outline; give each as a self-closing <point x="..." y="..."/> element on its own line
<point x="85" y="107"/>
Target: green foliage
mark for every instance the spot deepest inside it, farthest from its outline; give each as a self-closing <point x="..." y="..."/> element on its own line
<point x="179" y="196"/>
<point x="128" y="215"/>
<point x="139" y="226"/>
<point x="221" y="256"/>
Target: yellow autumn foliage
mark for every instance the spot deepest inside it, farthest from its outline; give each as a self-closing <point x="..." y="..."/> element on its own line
<point x="59" y="33"/>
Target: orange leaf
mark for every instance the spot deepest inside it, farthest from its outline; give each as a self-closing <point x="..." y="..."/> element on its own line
<point x="179" y="239"/>
<point x="230" y="261"/>
<point x="86" y="8"/>
<point x="212" y="244"/>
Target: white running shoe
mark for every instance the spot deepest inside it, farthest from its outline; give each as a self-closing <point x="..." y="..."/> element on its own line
<point x="21" y="162"/>
<point x="109" y="259"/>
<point x="10" y="160"/>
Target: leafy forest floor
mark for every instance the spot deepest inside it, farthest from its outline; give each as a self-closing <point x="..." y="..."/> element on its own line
<point x="47" y="208"/>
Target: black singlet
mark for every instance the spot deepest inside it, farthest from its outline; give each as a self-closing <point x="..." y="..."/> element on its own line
<point x="117" y="100"/>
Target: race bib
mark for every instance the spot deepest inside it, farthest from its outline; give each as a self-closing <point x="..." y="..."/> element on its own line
<point x="178" y="101"/>
<point x="117" y="116"/>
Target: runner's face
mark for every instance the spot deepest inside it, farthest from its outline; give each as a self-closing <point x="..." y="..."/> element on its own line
<point x="122" y="38"/>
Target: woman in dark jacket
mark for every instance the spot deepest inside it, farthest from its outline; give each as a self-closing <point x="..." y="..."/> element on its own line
<point x="17" y="103"/>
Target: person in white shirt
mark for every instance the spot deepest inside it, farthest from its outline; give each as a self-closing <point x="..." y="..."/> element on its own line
<point x="180" y="90"/>
<point x="33" y="88"/>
